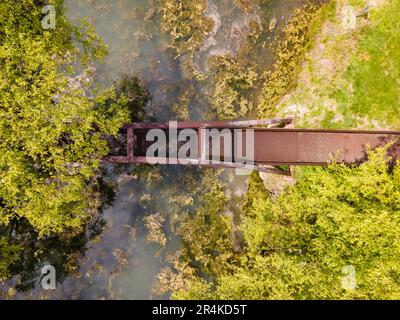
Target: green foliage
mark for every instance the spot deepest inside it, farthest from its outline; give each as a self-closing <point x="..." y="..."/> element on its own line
<point x="255" y="192"/>
<point x="51" y="122"/>
<point x="298" y="244"/>
<point x="137" y="96"/>
<point x="372" y="81"/>
<point x="196" y="289"/>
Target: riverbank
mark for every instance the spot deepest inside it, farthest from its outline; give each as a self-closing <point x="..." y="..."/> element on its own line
<point x="350" y="79"/>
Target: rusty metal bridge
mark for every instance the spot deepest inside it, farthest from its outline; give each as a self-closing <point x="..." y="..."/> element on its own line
<point x="276" y="143"/>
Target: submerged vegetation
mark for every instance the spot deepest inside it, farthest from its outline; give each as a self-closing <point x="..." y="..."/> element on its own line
<point x="296" y="38"/>
<point x="232" y="83"/>
<point x="186" y="24"/>
<point x="251" y="82"/>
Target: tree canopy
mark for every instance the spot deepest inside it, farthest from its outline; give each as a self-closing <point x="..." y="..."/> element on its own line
<point x="52" y="117"/>
<point x="299" y="245"/>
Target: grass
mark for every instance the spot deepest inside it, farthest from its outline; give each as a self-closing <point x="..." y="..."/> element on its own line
<point x="372" y="81"/>
<point x="350" y="78"/>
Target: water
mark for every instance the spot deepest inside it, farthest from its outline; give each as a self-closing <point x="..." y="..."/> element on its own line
<point x="121" y="263"/>
<point x="231" y="25"/>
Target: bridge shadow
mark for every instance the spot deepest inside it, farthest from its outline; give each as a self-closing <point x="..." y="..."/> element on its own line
<point x="392" y="153"/>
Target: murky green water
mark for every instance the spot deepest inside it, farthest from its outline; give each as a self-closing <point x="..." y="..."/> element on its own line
<point x="121" y="263"/>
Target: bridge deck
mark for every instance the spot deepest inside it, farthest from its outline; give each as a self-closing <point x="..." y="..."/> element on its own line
<point x="272" y="146"/>
<point x="316" y="147"/>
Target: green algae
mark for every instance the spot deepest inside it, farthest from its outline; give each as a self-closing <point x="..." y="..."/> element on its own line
<point x="186" y="24"/>
<point x="232" y="83"/>
<point x="289" y="53"/>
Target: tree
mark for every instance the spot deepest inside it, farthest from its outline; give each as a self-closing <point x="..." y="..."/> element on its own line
<point x="52" y="121"/>
<point x="299" y="245"/>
